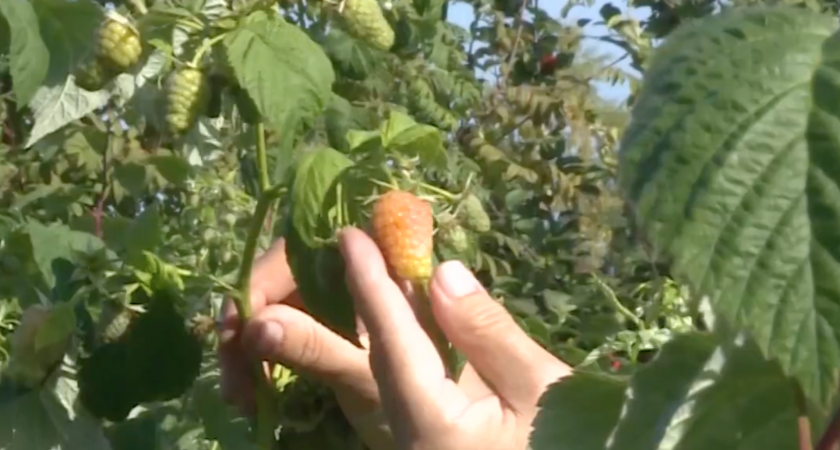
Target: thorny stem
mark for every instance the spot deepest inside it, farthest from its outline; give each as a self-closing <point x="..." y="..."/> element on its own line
<point x="264" y="394"/>
<point x="242" y="301"/>
<point x="262" y="156"/>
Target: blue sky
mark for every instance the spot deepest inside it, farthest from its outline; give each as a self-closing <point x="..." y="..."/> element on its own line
<point x="462" y="15"/>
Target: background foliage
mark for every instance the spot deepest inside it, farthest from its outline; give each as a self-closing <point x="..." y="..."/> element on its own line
<point x="124" y="230"/>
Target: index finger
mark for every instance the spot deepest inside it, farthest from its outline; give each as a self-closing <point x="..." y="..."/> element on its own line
<point x="404" y="360"/>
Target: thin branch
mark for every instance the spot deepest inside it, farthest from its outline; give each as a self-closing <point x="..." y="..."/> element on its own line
<point x="803" y="422"/>
<point x="515" y="48"/>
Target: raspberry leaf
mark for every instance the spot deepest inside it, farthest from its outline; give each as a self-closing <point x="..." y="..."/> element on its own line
<point x="29" y="55"/>
<point x="282" y="69"/>
<point x="315" y="175"/>
<point x="319" y="275"/>
<point x="403" y="135"/>
<point x="736" y="181"/>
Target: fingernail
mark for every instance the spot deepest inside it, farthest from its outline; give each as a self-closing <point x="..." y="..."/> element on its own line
<point x="269" y="335"/>
<point x="455" y="280"/>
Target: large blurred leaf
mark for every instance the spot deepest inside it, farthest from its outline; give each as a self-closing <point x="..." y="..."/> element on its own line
<point x="732" y="163"/>
<point x="49" y="419"/>
<point x="578" y="413"/>
<point x="29" y="55"/>
<point x="696" y="396"/>
<point x="282" y="69"/>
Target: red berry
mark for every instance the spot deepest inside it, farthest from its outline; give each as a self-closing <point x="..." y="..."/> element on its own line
<point x="403" y="226"/>
<point x="547" y="64"/>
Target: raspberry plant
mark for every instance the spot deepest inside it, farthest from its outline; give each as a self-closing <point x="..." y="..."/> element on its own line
<point x="150" y="150"/>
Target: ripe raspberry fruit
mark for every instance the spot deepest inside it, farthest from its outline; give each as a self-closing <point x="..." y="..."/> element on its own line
<point x="118" y="43"/>
<point x="187" y="95"/>
<point x="364" y="20"/>
<point x="473" y="216"/>
<point x="403" y="226"/>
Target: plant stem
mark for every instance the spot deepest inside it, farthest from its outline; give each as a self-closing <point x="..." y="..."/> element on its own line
<point x="262" y="156"/>
<point x="205" y="46"/>
<point x="617" y="304"/>
<point x="443" y="193"/>
<point x="264" y="394"/>
<point x="139" y="7"/>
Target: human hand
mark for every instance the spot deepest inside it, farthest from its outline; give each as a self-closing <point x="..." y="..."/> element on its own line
<point x="282" y="332"/>
<point x="494" y="402"/>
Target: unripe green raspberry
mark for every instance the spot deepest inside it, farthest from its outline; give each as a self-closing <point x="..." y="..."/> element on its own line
<point x="187" y="94"/>
<point x="92" y="75"/>
<point x="118" y="43"/>
<point x="114" y="322"/>
<point x="455" y="237"/>
<point x="473" y="216"/>
<point x="364" y="20"/>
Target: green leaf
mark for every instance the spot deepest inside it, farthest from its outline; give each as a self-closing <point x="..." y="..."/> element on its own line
<point x="340" y="117"/>
<point x="68" y="28"/>
<point x="732" y="163"/>
<point x="319" y="275"/>
<point x="29" y="55"/>
<point x="57" y="105"/>
<point x="282" y="69"/>
<point x="351" y="58"/>
<point x="58" y="326"/>
<point x="315" y="176"/>
<point x="175" y="169"/>
<point x="54" y="242"/>
<point x="696" y="395"/>
<point x="221" y="421"/>
<point x="397" y="123"/>
<point x="145" y="232"/>
<point x="132" y="177"/>
<point x="421" y="141"/>
<point x="49" y="419"/>
<point x="578" y="412"/>
<point x="364" y="141"/>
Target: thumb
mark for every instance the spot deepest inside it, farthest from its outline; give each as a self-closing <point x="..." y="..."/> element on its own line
<point x="492" y="342"/>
